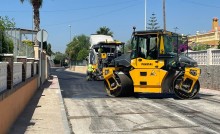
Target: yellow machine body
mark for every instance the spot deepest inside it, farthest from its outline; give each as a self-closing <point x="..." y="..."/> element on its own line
<point x="147" y="75"/>
<point x="153" y="72"/>
<point x="192" y="74"/>
<point x="108" y="73"/>
<point x="103" y="55"/>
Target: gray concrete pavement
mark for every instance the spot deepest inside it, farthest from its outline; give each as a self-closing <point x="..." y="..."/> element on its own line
<point x="45" y="113"/>
<point x="89" y="110"/>
<point x="154" y="115"/>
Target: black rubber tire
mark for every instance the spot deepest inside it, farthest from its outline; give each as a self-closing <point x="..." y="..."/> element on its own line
<point x="183" y="95"/>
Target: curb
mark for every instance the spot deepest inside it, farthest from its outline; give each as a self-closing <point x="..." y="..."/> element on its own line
<point x="63" y="110"/>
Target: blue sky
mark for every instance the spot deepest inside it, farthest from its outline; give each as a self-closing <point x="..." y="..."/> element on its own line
<point x="86" y="16"/>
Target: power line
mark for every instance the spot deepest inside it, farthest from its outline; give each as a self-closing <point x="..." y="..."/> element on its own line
<point x="201" y="4"/>
<point x="74" y="9"/>
<point x="91" y="17"/>
<point x="15" y="11"/>
<point x="91" y="7"/>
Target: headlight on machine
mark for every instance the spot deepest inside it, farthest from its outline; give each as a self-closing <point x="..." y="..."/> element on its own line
<point x="193" y="72"/>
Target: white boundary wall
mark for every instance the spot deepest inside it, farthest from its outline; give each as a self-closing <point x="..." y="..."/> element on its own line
<point x="3" y="76"/>
<point x="35" y="68"/>
<point x="209" y="57"/>
<point x="17" y="74"/>
<point x="28" y="70"/>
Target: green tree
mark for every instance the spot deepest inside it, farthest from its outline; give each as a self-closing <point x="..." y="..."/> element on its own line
<point x="59" y="58"/>
<point x="105" y="31"/>
<point x="78" y="48"/>
<point x="199" y="47"/>
<point x="49" y="51"/>
<point x="47" y="48"/>
<point x="218" y="44"/>
<point x="28" y="42"/>
<point x="82" y="54"/>
<point x="153" y="25"/>
<point x="6" y="22"/>
<point x="128" y="46"/>
<point x="6" y="43"/>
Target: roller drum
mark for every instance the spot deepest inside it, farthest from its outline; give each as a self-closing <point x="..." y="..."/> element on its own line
<point x="181" y="88"/>
<point x="122" y="85"/>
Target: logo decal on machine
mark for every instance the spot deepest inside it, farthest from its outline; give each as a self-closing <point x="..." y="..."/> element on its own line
<point x="153" y="73"/>
<point x="146" y="64"/>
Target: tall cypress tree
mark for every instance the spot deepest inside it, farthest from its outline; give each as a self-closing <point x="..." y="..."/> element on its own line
<point x="153" y="25"/>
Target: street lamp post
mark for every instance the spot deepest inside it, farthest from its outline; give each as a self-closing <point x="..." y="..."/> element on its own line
<point x="70" y="32"/>
<point x="70" y="42"/>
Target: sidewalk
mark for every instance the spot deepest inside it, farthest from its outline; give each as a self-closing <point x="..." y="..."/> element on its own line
<point x="45" y="113"/>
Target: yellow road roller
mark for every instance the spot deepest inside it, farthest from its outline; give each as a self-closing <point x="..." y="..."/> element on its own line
<point x="157" y="63"/>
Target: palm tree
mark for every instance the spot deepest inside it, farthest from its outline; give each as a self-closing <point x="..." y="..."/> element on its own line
<point x="36" y="5"/>
<point x="105" y="31"/>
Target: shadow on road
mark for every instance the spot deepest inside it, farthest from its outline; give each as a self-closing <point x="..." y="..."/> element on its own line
<point x="155" y="95"/>
<point x="167" y="95"/>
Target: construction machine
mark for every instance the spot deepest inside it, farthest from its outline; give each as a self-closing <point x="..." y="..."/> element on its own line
<point x="157" y="64"/>
<point x="102" y="52"/>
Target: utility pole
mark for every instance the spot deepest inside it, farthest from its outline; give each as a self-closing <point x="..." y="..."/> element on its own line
<point x="145" y="15"/>
<point x="164" y="15"/>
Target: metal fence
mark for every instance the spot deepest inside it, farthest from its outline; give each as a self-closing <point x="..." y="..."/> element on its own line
<point x="25" y="50"/>
<point x="20" y="49"/>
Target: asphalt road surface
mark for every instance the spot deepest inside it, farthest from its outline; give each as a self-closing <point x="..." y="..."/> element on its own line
<point x="90" y="110"/>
